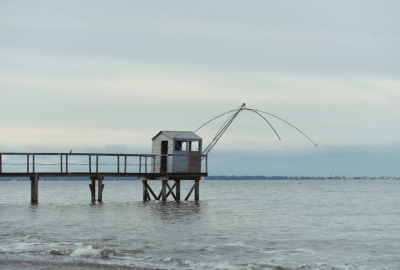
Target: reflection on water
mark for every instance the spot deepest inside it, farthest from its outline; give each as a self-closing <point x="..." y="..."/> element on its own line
<point x="176" y="211"/>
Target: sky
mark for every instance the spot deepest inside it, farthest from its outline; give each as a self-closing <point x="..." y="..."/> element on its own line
<point x="106" y="76"/>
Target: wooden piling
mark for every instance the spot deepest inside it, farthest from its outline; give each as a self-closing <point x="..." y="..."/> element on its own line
<point x="100" y="188"/>
<point x="164" y="189"/>
<point x="93" y="189"/>
<point x="178" y="190"/>
<point x="197" y="191"/>
<point x="144" y="183"/>
<point x="34" y="188"/>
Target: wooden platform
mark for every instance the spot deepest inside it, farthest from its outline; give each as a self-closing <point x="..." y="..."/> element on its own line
<point x="147" y="169"/>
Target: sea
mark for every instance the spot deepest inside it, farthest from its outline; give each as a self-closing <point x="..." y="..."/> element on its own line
<point x="249" y="224"/>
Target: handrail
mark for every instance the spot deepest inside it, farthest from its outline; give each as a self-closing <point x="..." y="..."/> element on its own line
<point x="66" y="165"/>
<point x="75" y="154"/>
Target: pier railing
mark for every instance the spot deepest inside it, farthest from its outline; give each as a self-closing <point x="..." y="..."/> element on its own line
<point x="96" y="163"/>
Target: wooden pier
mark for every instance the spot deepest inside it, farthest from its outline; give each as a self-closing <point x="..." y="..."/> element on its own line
<point x="147" y="167"/>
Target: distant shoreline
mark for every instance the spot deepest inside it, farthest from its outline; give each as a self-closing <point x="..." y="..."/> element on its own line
<point x="217" y="177"/>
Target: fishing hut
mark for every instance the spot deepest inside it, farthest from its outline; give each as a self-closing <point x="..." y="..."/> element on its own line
<point x="178" y="156"/>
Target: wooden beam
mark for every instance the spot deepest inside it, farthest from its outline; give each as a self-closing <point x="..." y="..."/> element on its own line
<point x="164" y="189"/>
<point x="178" y="190"/>
<point x="140" y="164"/>
<point x="34" y="188"/>
<point x="170" y="191"/>
<point x="149" y="188"/>
<point x="1" y="164"/>
<point x="90" y="164"/>
<point x="27" y="163"/>
<point x="190" y="192"/>
<point x="100" y="189"/>
<point x="144" y="183"/>
<point x="66" y="163"/>
<point x="197" y="191"/>
<point x="118" y="163"/>
<point x="125" y="165"/>
<point x="33" y="163"/>
<point x="97" y="163"/>
<point x="61" y="163"/>
<point x="93" y="190"/>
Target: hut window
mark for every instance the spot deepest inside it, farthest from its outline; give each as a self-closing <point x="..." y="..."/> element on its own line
<point x="180" y="146"/>
<point x="194" y="146"/>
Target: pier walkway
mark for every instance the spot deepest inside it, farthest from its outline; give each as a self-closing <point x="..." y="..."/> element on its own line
<point x="96" y="166"/>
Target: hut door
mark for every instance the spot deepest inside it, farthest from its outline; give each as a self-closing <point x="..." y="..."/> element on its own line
<point x="164" y="151"/>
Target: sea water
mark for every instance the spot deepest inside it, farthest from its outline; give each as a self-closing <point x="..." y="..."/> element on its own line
<point x="299" y="224"/>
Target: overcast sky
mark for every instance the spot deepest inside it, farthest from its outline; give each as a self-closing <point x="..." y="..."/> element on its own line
<point x="109" y="75"/>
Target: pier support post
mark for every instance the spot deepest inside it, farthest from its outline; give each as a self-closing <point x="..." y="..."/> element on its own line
<point x="197" y="191"/>
<point x="34" y="188"/>
<point x="92" y="187"/>
<point x="145" y="193"/>
<point x="100" y="191"/>
<point x="164" y="189"/>
<point x="178" y="190"/>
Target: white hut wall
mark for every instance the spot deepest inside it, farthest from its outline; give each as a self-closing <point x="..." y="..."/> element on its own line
<point x="156" y="150"/>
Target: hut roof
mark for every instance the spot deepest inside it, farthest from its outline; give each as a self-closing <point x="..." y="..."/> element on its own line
<point x="179" y="135"/>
